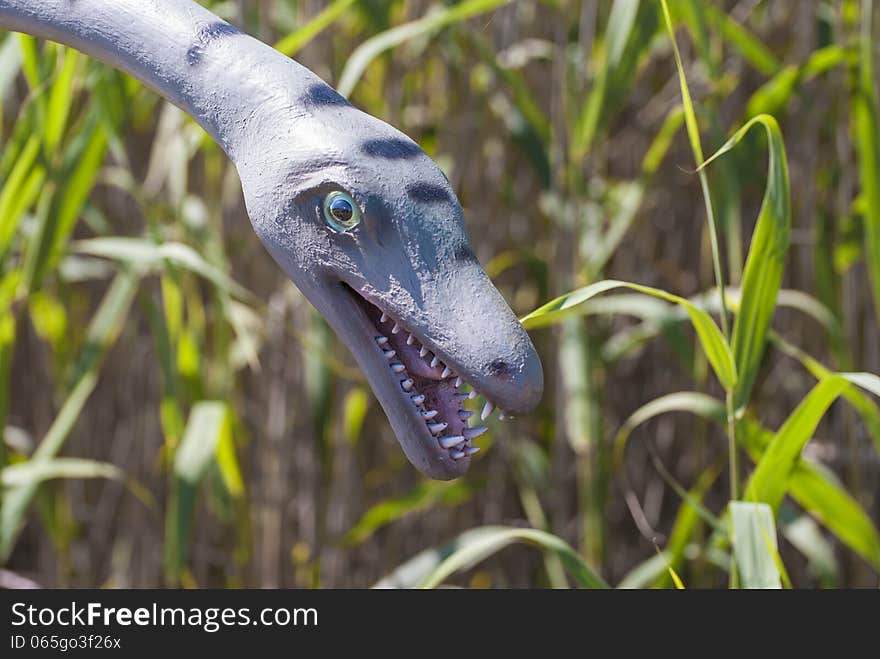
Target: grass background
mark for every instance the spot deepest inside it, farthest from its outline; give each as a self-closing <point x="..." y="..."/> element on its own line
<point x="212" y="430"/>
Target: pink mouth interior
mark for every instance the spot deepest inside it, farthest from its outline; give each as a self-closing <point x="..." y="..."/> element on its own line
<point x="419" y="378"/>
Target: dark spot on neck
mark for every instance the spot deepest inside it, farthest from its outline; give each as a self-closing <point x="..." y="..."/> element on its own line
<point x="428" y="193"/>
<point x="392" y="148"/>
<point x="320" y="95"/>
<point x="205" y="35"/>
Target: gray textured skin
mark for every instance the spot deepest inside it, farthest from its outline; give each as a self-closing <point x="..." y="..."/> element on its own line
<point x="292" y="140"/>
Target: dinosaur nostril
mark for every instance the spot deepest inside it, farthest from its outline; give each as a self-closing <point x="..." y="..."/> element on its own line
<point x="500" y="369"/>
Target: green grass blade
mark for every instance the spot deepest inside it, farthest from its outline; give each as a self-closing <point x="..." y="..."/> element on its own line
<point x="31" y="67"/>
<point x="696" y="403"/>
<point x="867" y="408"/>
<point x="208" y="422"/>
<point x="56" y="227"/>
<point x="774" y="95"/>
<point x="866" y="123"/>
<point x="867" y="381"/>
<point x="493" y="539"/>
<point x="34" y="472"/>
<point x="357" y="402"/>
<point x="293" y="42"/>
<point x="10" y="64"/>
<point x="208" y="427"/>
<point x="30" y="59"/>
<point x="621" y="20"/>
<point x="60" y="100"/>
<point x="765" y="262"/>
<point x="769" y="481"/>
<point x="781" y="469"/>
<point x="690" y="116"/>
<point x="693" y="402"/>
<point x="711" y="338"/>
<point x="679" y="584"/>
<point x="369" y="50"/>
<point x="685" y="524"/>
<point x="228" y="465"/>
<point x="749" y="46"/>
<point x="146" y="254"/>
<point x="415" y="570"/>
<point x="819" y="493"/>
<point x="662" y="141"/>
<point x="18" y="193"/>
<point x="426" y="495"/>
<point x="7" y="350"/>
<point x="806" y="536"/>
<point x="754" y="544"/>
<point x="646" y="573"/>
<point x="693" y="132"/>
<point x="624" y="200"/>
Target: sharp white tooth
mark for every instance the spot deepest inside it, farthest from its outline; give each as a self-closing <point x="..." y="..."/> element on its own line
<point x="464" y="415"/>
<point x="423" y="351"/>
<point x="458" y="382"/>
<point x="487" y="410"/>
<point x="384" y="317"/>
<point x="410" y="340"/>
<point x="470" y="450"/>
<point x="397" y="367"/>
<point x="389" y="354"/>
<point x="472" y="394"/>
<point x="418" y="399"/>
<point x="435" y="361"/>
<point x="501" y="415"/>
<point x="446" y="373"/>
<point x="437" y="428"/>
<point x="381" y="340"/>
<point x="430" y="414"/>
<point x="449" y="442"/>
<point x="457" y="455"/>
<point x="395" y="329"/>
<point x="407" y="385"/>
<point x="473" y="433"/>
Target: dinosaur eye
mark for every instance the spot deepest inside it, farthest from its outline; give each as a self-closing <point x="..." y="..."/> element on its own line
<point x="340" y="212"/>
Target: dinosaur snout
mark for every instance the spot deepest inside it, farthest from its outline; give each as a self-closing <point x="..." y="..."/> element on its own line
<point x="517" y="384"/>
<point x="485" y="343"/>
<point x="511" y="376"/>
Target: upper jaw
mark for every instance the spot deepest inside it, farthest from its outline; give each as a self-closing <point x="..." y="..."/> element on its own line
<point x="471" y="330"/>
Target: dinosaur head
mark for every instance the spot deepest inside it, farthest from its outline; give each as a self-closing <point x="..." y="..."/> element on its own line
<point x="368" y="227"/>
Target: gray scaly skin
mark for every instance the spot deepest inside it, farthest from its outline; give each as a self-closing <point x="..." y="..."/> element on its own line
<point x="407" y="265"/>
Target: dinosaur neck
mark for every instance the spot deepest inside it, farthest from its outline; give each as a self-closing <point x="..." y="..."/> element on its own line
<point x="231" y="84"/>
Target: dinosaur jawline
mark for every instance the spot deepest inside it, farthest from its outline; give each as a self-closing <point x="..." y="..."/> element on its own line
<point x="434" y="390"/>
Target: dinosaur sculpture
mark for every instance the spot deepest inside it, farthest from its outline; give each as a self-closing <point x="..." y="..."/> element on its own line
<point x="358" y="216"/>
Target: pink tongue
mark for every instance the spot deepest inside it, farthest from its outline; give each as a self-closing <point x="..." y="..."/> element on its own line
<point x="409" y="355"/>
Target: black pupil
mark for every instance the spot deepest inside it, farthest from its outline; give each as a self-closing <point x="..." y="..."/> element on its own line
<point x="341" y="210"/>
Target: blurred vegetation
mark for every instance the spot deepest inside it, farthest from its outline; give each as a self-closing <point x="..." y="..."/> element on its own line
<point x="175" y="413"/>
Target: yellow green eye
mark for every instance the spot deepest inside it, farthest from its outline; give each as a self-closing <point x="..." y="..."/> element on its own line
<point x="340" y="212"/>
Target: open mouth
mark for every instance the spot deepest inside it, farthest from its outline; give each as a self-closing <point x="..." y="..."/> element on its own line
<point x="432" y="389"/>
